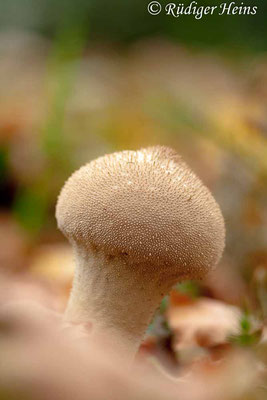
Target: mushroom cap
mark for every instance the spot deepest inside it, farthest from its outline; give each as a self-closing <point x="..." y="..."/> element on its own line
<point x="146" y="207"/>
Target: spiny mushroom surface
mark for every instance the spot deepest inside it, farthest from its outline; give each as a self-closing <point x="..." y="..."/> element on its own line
<point x="139" y="221"/>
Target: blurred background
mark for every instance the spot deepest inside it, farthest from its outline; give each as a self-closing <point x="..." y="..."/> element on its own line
<point x="82" y="78"/>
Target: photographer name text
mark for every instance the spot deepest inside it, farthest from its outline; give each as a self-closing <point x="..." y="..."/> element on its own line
<point x="199" y="11"/>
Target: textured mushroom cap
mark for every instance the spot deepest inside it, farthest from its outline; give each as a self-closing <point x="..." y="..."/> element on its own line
<point x="147" y="207"/>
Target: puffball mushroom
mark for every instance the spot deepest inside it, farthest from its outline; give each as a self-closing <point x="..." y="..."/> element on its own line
<point x="138" y="221"/>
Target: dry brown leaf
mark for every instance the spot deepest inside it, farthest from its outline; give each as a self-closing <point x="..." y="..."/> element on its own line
<point x="203" y="322"/>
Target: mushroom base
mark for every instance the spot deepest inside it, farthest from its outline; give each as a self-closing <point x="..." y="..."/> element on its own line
<point x="116" y="296"/>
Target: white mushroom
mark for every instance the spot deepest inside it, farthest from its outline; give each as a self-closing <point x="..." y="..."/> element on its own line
<point x="138" y="221"/>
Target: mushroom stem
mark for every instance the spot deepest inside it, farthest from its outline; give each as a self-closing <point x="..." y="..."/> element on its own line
<point x="111" y="294"/>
